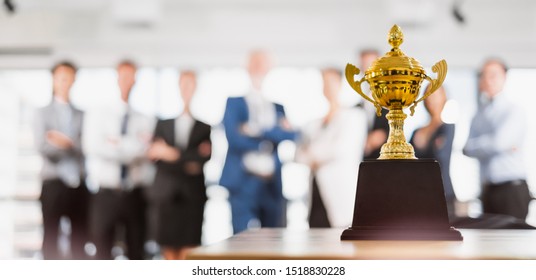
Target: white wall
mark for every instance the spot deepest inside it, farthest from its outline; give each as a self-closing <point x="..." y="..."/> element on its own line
<point x="205" y="33"/>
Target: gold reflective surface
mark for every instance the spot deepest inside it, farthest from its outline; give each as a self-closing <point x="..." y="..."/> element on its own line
<point x="395" y="80"/>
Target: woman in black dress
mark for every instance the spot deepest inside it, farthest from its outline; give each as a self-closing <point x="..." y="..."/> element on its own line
<point x="434" y="140"/>
<point x="180" y="149"/>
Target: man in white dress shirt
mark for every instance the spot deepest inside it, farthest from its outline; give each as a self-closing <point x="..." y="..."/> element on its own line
<point x="496" y="140"/>
<point x="116" y="142"/>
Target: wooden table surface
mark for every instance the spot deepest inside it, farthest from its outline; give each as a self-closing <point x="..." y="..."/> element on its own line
<point x="266" y="244"/>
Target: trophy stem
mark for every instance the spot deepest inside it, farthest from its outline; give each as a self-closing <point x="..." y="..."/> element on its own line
<point x="396" y="146"/>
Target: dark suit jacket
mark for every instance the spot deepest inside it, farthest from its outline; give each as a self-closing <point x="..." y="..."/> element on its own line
<point x="441" y="153"/>
<point x="173" y="181"/>
<point x="380" y="123"/>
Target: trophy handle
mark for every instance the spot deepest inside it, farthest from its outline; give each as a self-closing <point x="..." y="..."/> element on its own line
<point x="350" y="72"/>
<point x="441" y="69"/>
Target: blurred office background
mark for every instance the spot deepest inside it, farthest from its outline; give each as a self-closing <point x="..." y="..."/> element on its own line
<point x="213" y="37"/>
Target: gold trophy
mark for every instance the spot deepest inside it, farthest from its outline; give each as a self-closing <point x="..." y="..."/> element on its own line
<point x="399" y="197"/>
<point x="395" y="80"/>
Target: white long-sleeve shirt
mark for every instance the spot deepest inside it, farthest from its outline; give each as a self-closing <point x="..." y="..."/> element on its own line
<point x="337" y="149"/>
<point x="107" y="149"/>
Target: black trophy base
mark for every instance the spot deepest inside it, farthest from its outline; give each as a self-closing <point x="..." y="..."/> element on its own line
<point x="400" y="234"/>
<point x="400" y="200"/>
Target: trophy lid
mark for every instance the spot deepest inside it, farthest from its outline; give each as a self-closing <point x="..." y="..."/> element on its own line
<point x="395" y="59"/>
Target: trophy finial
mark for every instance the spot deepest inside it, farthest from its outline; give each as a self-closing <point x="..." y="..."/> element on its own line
<point x="396" y="37"/>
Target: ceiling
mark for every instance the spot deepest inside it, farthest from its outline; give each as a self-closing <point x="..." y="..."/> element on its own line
<point x="207" y="33"/>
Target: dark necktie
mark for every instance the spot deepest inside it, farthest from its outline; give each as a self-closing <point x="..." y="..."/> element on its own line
<point x="124" y="167"/>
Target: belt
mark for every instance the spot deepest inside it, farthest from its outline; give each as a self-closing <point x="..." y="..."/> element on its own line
<point x="517" y="182"/>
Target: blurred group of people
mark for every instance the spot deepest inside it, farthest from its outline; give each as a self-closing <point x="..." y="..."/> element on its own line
<point x="135" y="161"/>
<point x="140" y="163"/>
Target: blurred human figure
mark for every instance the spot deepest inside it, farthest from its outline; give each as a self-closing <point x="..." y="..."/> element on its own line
<point x="333" y="148"/>
<point x="434" y="140"/>
<point x="254" y="127"/>
<point x="378" y="126"/>
<point x="180" y="148"/>
<point x="496" y="140"/>
<point x="58" y="130"/>
<point x="116" y="141"/>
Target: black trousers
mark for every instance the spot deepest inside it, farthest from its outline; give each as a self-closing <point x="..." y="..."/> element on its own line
<point x="508" y="198"/>
<point x="112" y="209"/>
<point x="57" y="200"/>
<point x="318" y="216"/>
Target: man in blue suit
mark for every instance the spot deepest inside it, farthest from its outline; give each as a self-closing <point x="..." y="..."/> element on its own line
<point x="254" y="127"/>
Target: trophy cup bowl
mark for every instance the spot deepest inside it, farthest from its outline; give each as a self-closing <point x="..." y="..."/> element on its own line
<point x="395" y="80"/>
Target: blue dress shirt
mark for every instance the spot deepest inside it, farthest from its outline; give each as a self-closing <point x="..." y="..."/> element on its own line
<point x="496" y="140"/>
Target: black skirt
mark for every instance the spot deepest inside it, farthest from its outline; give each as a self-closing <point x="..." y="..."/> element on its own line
<point x="180" y="219"/>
